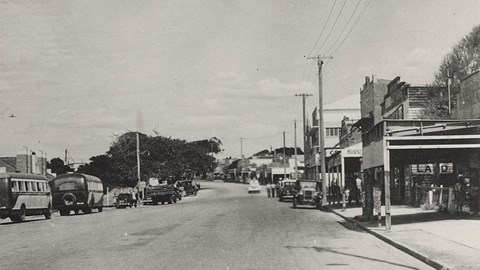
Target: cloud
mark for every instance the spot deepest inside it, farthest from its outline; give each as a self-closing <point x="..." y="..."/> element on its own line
<point x="234" y="85"/>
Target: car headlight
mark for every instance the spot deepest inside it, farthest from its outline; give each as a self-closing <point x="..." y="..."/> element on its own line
<point x="300" y="193"/>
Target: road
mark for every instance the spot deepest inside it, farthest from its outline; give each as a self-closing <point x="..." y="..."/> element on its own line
<point x="223" y="227"/>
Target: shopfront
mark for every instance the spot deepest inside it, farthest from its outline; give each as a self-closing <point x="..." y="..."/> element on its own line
<point x="417" y="165"/>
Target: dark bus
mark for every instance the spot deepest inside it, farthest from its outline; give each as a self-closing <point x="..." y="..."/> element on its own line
<point x="22" y="195"/>
<point x="76" y="192"/>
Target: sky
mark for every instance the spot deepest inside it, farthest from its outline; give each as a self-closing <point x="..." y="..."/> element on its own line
<point x="76" y="74"/>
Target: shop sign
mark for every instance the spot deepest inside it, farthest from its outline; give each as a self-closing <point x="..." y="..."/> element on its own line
<point x="446" y="168"/>
<point x="422" y="168"/>
<point x="353" y="151"/>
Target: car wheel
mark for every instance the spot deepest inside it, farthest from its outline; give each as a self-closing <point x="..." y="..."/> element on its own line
<point x="48" y="214"/>
<point x="66" y="212"/>
<point x="20" y="217"/>
<point x="317" y="203"/>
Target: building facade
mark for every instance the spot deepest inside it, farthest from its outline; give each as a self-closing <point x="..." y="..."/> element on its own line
<point x="333" y="113"/>
<point x="26" y="161"/>
<point x="413" y="161"/>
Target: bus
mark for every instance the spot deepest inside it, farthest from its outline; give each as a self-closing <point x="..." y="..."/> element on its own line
<point x="76" y="192"/>
<point x="22" y="195"/>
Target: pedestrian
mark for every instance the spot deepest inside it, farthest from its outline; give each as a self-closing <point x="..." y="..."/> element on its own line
<point x="459" y="189"/>
<point x="133" y="201"/>
<point x="337" y="193"/>
<point x="268" y="186"/>
<point x="329" y="194"/>
<point x="274" y="187"/>
<point x="359" y="189"/>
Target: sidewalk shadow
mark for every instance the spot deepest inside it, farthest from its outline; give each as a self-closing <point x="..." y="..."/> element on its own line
<point x="423" y="217"/>
<point x="371" y="259"/>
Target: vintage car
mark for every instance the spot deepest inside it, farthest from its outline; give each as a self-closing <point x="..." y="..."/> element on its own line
<point x="254" y="186"/>
<point x="307" y="192"/>
<point x="125" y="200"/>
<point x="190" y="188"/>
<point x="286" y="189"/>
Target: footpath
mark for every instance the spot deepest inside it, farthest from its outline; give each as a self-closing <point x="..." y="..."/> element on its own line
<point x="440" y="239"/>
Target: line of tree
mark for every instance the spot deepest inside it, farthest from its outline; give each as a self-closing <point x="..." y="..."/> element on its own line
<point x="161" y="157"/>
<point x="463" y="60"/>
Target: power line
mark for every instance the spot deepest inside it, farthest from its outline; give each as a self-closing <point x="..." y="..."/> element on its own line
<point x="351" y="29"/>
<point x="331" y="29"/>
<point x="318" y="39"/>
<point x="345" y="27"/>
<point x="323" y="29"/>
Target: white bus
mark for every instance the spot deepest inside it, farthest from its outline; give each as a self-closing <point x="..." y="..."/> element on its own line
<point x="24" y="195"/>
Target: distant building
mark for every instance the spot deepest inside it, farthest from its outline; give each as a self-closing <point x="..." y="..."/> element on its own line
<point x="26" y="161"/>
<point x="344" y="161"/>
<point x="333" y="114"/>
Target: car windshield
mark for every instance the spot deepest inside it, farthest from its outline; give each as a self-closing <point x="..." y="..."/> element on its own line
<point x="308" y="184"/>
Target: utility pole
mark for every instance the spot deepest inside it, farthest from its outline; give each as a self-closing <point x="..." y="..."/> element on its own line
<point x="321" y="126"/>
<point x="295" y="143"/>
<point x="448" y="88"/>
<point x="241" y="156"/>
<point x="138" y="160"/>
<point x="284" y="159"/>
<point x="66" y="156"/>
<point x="304" y="96"/>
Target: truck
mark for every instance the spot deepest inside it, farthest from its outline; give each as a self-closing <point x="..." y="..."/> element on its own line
<point x="163" y="193"/>
<point x="307" y="192"/>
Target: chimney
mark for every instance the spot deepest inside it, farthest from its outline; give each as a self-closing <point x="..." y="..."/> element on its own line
<point x="22" y="160"/>
<point x="34" y="163"/>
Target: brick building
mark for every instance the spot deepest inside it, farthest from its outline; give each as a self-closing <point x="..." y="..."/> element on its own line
<point x="26" y="161"/>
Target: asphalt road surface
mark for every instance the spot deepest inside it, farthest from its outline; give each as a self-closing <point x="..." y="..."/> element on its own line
<point x="223" y="227"/>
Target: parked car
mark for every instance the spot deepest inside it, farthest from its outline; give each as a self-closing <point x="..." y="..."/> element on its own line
<point x="307" y="192"/>
<point x="125" y="200"/>
<point x="286" y="189"/>
<point x="189" y="188"/>
<point x="254" y="186"/>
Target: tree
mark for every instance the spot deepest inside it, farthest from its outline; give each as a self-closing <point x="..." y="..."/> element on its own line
<point x="161" y="157"/>
<point x="463" y="60"/>
<point x="57" y="166"/>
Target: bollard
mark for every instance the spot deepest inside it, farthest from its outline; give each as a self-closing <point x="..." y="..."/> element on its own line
<point x="344" y="203"/>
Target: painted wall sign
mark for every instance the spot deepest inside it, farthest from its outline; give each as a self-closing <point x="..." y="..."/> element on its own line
<point x="422" y="168"/>
<point x="446" y="168"/>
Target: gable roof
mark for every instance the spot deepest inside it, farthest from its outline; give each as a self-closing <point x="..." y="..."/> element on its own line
<point x="4" y="163"/>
